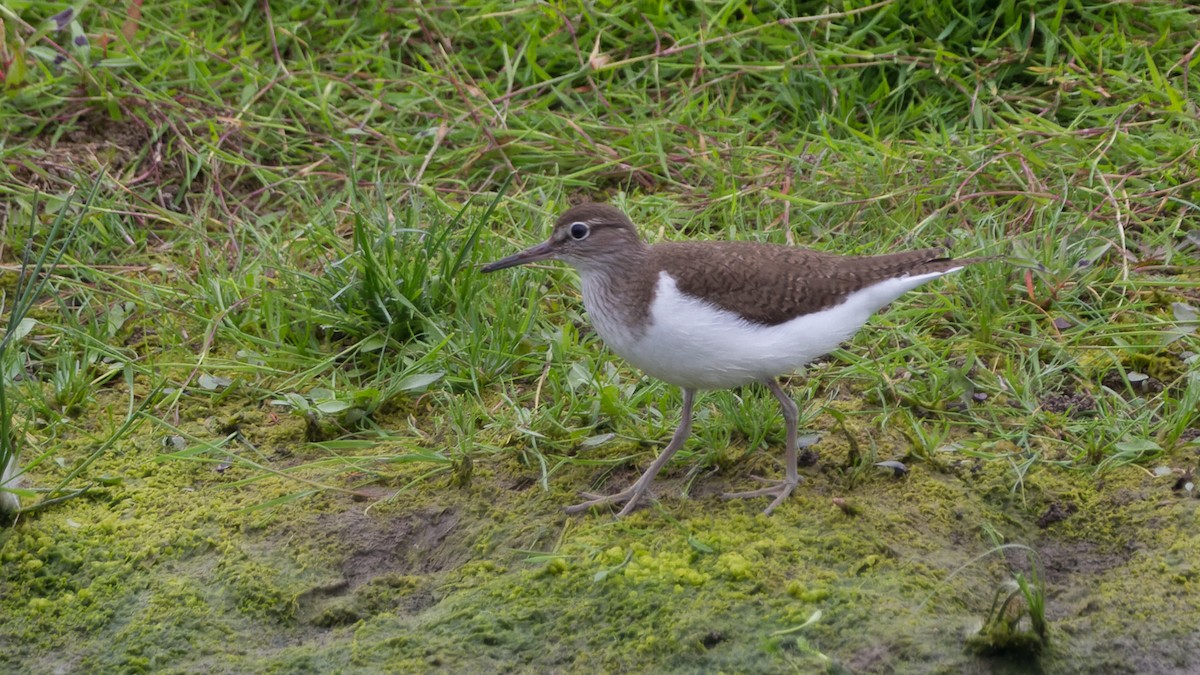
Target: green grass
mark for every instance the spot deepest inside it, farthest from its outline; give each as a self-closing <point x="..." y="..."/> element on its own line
<point x="287" y="226"/>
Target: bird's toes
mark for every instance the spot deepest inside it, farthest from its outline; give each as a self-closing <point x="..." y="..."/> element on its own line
<point x="779" y="489"/>
<point x="630" y="497"/>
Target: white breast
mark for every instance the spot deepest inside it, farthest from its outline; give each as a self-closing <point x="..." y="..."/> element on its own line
<point x="691" y="343"/>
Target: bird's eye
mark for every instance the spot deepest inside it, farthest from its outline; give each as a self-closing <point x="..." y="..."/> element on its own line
<point x="580" y="231"/>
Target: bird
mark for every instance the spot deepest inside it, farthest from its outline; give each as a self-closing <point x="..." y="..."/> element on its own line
<point x="705" y="315"/>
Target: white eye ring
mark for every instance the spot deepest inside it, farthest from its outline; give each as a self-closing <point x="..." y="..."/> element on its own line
<point x="579" y="231"/>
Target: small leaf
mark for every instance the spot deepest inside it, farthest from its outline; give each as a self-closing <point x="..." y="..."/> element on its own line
<point x="118" y="62"/>
<point x="118" y="314"/>
<point x="578" y="375"/>
<point x="1186" y="322"/>
<point x="295" y="400"/>
<point x="807" y="440"/>
<point x="321" y="394"/>
<point x="16" y="71"/>
<point x="213" y="382"/>
<point x="175" y="441"/>
<point x="418" y="381"/>
<point x="699" y="545"/>
<point x="1138" y="446"/>
<point x="1185" y="313"/>
<point x="367" y="396"/>
<point x="1094" y="254"/>
<point x="251" y="357"/>
<point x="373" y="344"/>
<point x="24" y="326"/>
<point x="813" y="618"/>
<point x="331" y="407"/>
<point x="597" y="440"/>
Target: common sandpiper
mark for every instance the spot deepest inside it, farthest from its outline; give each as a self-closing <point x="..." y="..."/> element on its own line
<point x="721" y="314"/>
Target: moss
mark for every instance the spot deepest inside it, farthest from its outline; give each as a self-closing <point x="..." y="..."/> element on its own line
<point x="735" y="566"/>
<point x="171" y="569"/>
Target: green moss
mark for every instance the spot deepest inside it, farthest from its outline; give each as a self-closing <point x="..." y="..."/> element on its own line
<point x="735" y="566"/>
<point x="169" y="567"/>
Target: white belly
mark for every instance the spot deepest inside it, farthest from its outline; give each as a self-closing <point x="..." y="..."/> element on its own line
<point x="692" y="344"/>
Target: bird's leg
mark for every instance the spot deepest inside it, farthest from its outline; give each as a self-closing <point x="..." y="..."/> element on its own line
<point x="780" y="488"/>
<point x="631" y="495"/>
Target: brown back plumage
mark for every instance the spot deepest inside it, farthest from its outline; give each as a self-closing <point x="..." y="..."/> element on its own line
<point x="771" y="284"/>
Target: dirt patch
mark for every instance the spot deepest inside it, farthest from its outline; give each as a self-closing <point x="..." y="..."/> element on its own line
<point x="146" y="152"/>
<point x="873" y="659"/>
<point x="1070" y="403"/>
<point x="93" y="140"/>
<point x="1186" y="481"/>
<point x="390" y="565"/>
<point x="1065" y="563"/>
<point x="1056" y="513"/>
<point x="418" y="543"/>
<point x="518" y="483"/>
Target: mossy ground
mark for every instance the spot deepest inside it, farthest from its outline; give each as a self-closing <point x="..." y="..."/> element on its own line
<point x="175" y="570"/>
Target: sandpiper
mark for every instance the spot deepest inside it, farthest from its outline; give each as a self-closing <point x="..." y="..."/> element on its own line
<point x="716" y="315"/>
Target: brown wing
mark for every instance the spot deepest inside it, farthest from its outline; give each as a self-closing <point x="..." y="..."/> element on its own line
<point x="771" y="284"/>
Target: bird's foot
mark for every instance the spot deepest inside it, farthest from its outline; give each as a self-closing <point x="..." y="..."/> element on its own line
<point x="630" y="497"/>
<point x="779" y="488"/>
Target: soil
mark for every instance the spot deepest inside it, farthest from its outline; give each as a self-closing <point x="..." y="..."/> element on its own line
<point x="175" y="568"/>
